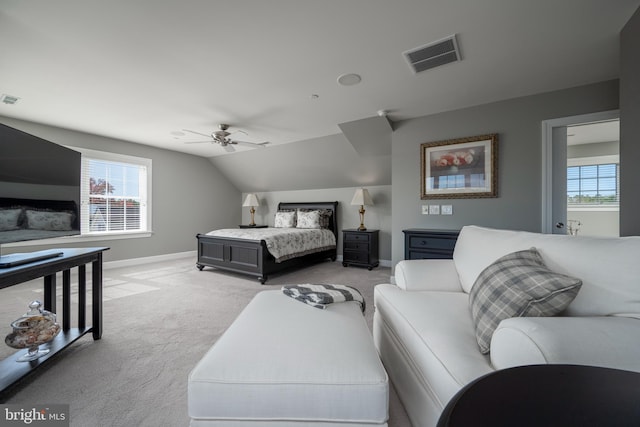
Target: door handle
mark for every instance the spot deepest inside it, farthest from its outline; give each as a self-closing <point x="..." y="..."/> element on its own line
<point x="559" y="225"/>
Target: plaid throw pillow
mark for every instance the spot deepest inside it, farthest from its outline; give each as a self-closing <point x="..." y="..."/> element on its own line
<point x="517" y="285"/>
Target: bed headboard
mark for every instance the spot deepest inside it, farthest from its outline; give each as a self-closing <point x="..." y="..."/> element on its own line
<point x="332" y="206"/>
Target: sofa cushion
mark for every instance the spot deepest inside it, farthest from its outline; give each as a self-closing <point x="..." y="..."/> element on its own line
<point x="435" y="332"/>
<point x="608" y="266"/>
<point x="517" y="285"/>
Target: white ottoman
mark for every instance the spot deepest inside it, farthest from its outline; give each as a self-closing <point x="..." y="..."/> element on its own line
<point x="285" y="363"/>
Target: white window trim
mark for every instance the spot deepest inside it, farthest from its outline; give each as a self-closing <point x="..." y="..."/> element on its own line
<point x="122" y="158"/>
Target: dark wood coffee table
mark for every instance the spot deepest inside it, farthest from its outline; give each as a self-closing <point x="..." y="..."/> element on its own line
<point x="547" y="395"/>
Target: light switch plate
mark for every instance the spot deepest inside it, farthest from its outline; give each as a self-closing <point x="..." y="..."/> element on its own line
<point x="434" y="209"/>
<point x="425" y="209"/>
<point x="447" y="210"/>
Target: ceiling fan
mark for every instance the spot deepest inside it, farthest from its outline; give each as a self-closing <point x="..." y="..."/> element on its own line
<point x="222" y="137"/>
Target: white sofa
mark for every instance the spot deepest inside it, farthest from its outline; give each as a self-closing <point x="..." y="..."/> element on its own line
<point x="425" y="333"/>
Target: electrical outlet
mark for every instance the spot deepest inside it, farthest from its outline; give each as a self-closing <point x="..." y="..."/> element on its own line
<point x="434" y="209"/>
<point x="447" y="210"/>
<point x="425" y="209"/>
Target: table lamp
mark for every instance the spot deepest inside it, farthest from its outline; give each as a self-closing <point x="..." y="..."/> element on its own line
<point x="362" y="198"/>
<point x="251" y="200"/>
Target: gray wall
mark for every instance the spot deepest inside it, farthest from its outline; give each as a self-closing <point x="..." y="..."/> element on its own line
<point x="376" y="217"/>
<point x="630" y="127"/>
<point x="189" y="195"/>
<point x="518" y="123"/>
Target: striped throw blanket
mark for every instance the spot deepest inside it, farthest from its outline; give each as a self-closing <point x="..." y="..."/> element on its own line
<point x="320" y="295"/>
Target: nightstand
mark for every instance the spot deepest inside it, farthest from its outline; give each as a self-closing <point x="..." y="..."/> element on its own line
<point x="252" y="226"/>
<point x="421" y="243"/>
<point x="360" y="248"/>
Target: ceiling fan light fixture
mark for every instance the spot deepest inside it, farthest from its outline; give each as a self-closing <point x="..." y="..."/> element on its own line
<point x="221" y="137"/>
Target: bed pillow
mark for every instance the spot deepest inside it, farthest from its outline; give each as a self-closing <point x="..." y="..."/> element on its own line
<point x="517" y="285"/>
<point x="10" y="219"/>
<point x="310" y="219"/>
<point x="325" y="216"/>
<point x="285" y="219"/>
<point x="50" y="221"/>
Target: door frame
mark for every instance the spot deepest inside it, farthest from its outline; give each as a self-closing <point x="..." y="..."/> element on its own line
<point x="547" y="145"/>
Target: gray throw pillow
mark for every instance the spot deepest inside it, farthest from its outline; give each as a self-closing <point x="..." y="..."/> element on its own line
<point x="517" y="285"/>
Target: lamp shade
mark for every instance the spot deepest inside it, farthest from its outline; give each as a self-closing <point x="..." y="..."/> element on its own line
<point x="362" y="197"/>
<point x="251" y="200"/>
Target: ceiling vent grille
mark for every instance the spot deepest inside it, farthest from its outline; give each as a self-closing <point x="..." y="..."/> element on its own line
<point x="433" y="54"/>
<point x="8" y="99"/>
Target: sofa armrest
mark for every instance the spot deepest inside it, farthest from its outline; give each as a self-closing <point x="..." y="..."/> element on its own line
<point x="427" y="275"/>
<point x="611" y="342"/>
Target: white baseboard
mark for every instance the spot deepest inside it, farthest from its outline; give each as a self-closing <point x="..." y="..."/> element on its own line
<point x="147" y="260"/>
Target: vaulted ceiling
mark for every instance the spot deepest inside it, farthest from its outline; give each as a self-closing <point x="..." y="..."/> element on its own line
<point x="146" y="70"/>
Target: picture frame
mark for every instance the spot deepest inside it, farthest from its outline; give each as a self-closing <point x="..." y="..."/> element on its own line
<point x="461" y="168"/>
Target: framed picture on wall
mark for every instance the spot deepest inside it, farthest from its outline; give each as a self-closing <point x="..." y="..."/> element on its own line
<point x="459" y="168"/>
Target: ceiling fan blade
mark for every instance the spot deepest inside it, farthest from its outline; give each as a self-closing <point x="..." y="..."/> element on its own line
<point x="198" y="142"/>
<point x="229" y="148"/>
<point x="197" y="133"/>
<point x="252" y="144"/>
<point x="238" y="131"/>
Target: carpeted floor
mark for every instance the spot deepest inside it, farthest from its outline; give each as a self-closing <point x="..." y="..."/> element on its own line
<point x="159" y="320"/>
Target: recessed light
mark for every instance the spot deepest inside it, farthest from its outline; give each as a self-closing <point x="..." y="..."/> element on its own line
<point x="349" y="79"/>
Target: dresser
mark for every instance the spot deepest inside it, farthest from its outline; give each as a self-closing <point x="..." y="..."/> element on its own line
<point x="360" y="248"/>
<point x="420" y="243"/>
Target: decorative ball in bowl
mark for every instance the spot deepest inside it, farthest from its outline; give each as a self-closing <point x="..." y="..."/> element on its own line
<point x="34" y="328"/>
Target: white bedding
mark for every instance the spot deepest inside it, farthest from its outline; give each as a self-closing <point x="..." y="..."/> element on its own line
<point x="284" y="243"/>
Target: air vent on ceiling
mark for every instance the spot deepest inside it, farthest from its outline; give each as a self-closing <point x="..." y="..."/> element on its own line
<point x="8" y="99"/>
<point x="433" y="54"/>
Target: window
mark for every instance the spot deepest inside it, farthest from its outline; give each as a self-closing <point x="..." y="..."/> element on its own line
<point x="116" y="193"/>
<point x="593" y="185"/>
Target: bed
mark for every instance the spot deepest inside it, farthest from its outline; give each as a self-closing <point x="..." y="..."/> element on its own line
<point x="251" y="256"/>
<point x="30" y="219"/>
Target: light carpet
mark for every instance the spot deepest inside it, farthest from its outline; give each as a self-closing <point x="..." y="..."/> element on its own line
<point x="159" y="320"/>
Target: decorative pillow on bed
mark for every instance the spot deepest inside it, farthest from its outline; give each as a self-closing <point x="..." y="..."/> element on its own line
<point x="310" y="219"/>
<point x="50" y="221"/>
<point x="517" y="285"/>
<point x="325" y="216"/>
<point x="10" y="219"/>
<point x="285" y="219"/>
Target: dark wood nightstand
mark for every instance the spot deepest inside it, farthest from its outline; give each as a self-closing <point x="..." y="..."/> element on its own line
<point x="252" y="226"/>
<point x="421" y="243"/>
<point x="360" y="248"/>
